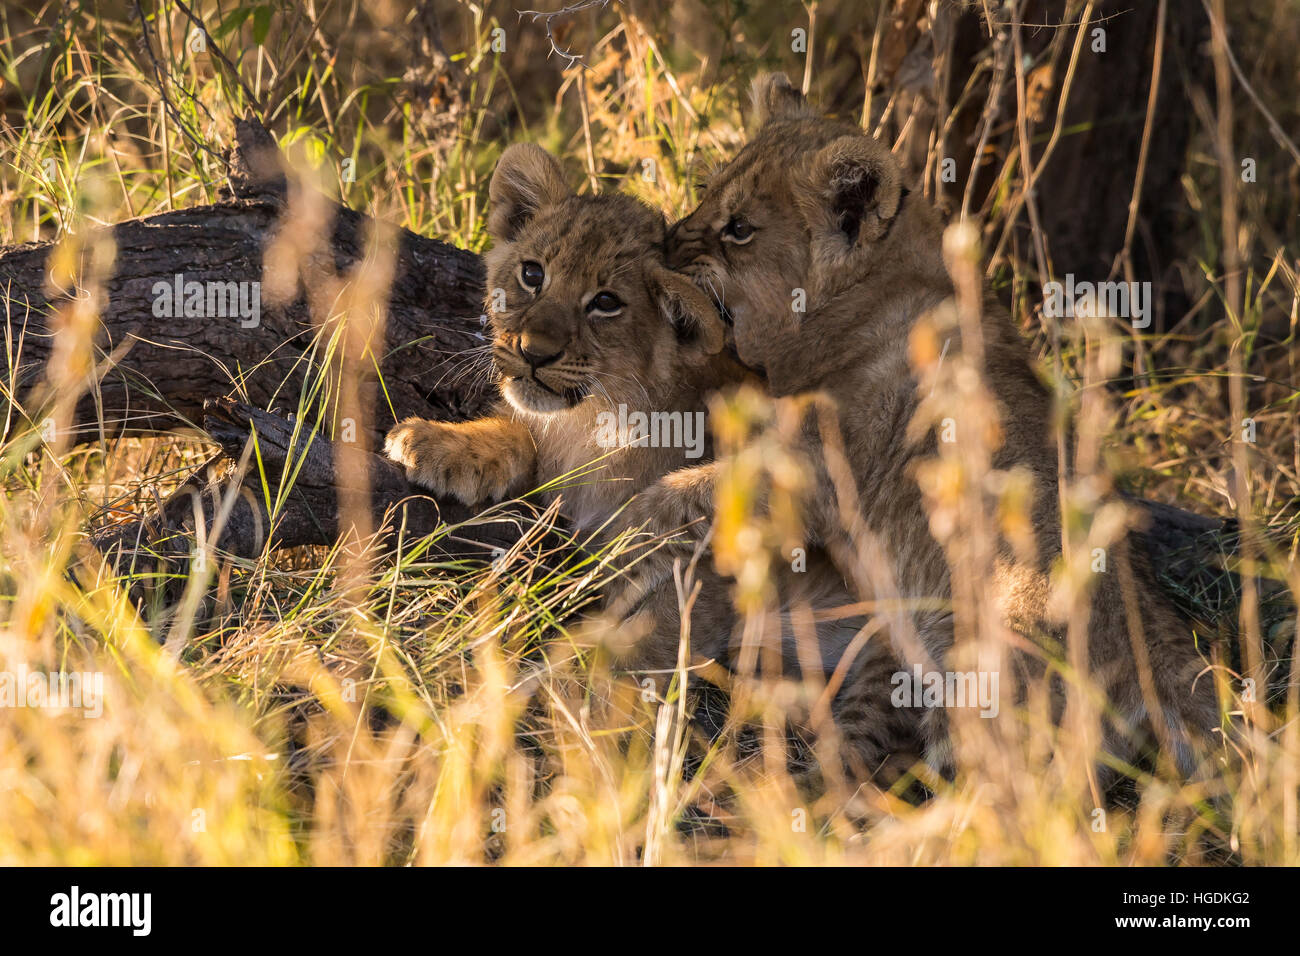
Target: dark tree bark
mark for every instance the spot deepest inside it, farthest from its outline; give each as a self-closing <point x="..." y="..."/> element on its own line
<point x="1090" y="177"/>
<point x="1085" y="186"/>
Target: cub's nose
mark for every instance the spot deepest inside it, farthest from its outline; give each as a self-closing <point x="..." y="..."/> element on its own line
<point x="537" y="351"/>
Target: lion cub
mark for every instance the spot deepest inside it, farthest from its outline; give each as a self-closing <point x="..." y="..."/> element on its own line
<point x="815" y="205"/>
<point x="591" y="329"/>
<point x="596" y="344"/>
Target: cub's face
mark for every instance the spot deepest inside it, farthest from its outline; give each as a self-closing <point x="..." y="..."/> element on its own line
<point x="580" y="303"/>
<point x="784" y="223"/>
<point x="747" y="245"/>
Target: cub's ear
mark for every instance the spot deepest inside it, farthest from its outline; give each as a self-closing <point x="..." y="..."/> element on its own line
<point x="687" y="309"/>
<point x="853" y="189"/>
<point x="775" y="99"/>
<point x="527" y="179"/>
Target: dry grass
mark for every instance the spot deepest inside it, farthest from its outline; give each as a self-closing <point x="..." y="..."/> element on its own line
<point x="332" y="707"/>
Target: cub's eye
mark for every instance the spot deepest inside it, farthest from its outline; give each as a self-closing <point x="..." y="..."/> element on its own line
<point x="605" y="302"/>
<point x="737" y="230"/>
<point x="531" y="275"/>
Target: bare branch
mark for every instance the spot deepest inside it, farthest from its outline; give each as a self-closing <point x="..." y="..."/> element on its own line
<point x="549" y="19"/>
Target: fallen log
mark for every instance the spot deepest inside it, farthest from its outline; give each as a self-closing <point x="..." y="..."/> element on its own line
<point x="173" y="364"/>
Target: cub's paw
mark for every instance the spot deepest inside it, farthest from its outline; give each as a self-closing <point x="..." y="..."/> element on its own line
<point x="445" y="459"/>
<point x="680" y="504"/>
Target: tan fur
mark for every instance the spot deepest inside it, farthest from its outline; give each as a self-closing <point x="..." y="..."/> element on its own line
<point x="829" y="215"/>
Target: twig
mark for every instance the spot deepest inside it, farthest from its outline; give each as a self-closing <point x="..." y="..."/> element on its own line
<point x="1273" y="125"/>
<point x="549" y="20"/>
<point x="213" y="49"/>
<point x="162" y="86"/>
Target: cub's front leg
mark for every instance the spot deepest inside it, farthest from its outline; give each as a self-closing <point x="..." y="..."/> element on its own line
<point x="488" y="459"/>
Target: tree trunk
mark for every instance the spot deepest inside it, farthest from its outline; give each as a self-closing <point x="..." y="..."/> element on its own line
<point x="1085" y="186"/>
